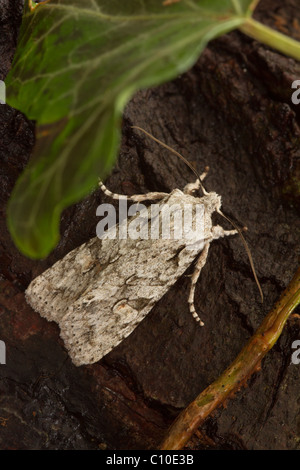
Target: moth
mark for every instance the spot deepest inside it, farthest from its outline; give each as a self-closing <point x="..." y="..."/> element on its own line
<point x="99" y="292"/>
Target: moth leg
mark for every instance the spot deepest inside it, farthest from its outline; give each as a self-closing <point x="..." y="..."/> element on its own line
<point x="190" y="188"/>
<point x="228" y="233"/>
<point x="195" y="276"/>
<point x="219" y="232"/>
<point x="136" y="197"/>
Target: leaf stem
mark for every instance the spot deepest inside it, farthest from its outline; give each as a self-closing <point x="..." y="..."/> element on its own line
<point x="253" y="6"/>
<point x="237" y="374"/>
<point x="237" y="6"/>
<point x="269" y="36"/>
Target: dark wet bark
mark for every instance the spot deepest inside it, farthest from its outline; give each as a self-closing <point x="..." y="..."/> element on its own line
<point x="233" y="112"/>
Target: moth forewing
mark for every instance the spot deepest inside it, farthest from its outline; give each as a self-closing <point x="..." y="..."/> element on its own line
<point x="99" y="292"/>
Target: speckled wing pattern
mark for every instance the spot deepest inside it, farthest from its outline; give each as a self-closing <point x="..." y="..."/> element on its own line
<point x="100" y="291"/>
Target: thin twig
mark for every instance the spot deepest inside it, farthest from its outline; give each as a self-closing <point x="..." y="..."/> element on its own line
<point x="237" y="374"/>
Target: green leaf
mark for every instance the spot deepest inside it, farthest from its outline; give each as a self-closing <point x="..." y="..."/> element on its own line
<point x="77" y="64"/>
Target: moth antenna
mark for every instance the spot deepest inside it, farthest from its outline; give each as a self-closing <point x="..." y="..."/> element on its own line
<point x="176" y="153"/>
<point x="247" y="251"/>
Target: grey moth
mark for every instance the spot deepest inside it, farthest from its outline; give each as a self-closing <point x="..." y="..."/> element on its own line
<point x="99" y="292"/>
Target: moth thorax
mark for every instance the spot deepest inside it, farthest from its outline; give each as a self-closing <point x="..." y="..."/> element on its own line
<point x="213" y="201"/>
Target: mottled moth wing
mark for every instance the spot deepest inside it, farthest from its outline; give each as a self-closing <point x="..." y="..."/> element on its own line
<point x="99" y="292"/>
<point x="56" y="289"/>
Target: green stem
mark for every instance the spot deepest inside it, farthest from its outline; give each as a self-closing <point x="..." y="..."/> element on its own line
<point x="237" y="374"/>
<point x="252" y="7"/>
<point x="237" y="6"/>
<point x="269" y="36"/>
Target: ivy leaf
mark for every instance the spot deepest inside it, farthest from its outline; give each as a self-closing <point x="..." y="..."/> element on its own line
<point x="77" y="64"/>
